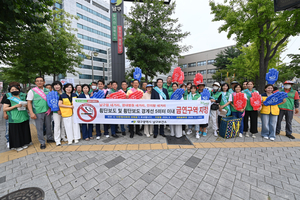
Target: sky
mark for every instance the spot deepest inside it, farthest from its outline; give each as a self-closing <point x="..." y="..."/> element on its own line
<point x="195" y="17"/>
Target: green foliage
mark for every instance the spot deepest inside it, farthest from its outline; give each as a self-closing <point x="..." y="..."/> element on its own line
<point x="295" y="64"/>
<point x="223" y="59"/>
<point x="255" y="21"/>
<point x="52" y="51"/>
<point x="152" y="37"/>
<point x="17" y="17"/>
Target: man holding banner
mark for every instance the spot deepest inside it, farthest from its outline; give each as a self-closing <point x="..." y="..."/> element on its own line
<point x="159" y="93"/>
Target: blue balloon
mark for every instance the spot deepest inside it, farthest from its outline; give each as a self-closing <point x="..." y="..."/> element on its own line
<point x="177" y="95"/>
<point x="275" y="98"/>
<point x="52" y="101"/>
<point x="98" y="95"/>
<point x="272" y="76"/>
<point x="205" y="95"/>
<point x="137" y="74"/>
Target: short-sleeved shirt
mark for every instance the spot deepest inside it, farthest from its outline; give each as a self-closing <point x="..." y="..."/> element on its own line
<point x="69" y="97"/>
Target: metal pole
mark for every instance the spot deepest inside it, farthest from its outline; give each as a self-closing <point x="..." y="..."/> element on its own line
<point x="92" y="67"/>
<point x="103" y="73"/>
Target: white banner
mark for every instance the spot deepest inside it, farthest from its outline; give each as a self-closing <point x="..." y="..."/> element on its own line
<point x="68" y="80"/>
<point x="125" y="111"/>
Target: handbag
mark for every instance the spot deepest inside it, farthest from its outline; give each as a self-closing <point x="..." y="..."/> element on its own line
<point x="214" y="106"/>
<point x="230" y="127"/>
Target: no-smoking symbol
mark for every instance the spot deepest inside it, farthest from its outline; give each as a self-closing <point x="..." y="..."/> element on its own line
<point x="86" y="112"/>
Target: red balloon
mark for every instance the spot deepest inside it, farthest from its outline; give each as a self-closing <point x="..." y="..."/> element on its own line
<point x="181" y="78"/>
<point x="240" y="101"/>
<point x="176" y="74"/>
<point x="198" y="79"/>
<point x="255" y="101"/>
<point x="136" y="95"/>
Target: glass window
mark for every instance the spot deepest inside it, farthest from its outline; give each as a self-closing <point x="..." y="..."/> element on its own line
<point x="202" y="71"/>
<point x="93" y="12"/>
<point x="184" y="66"/>
<point x="192" y="73"/>
<point x="185" y="73"/>
<point x="201" y="63"/>
<point x="86" y="76"/>
<point x="192" y="65"/>
<point x="94" y="58"/>
<point x="210" y="62"/>
<point x="90" y="67"/>
<point x="94" y="49"/>
<point x="210" y="80"/>
<point x="93" y="21"/>
<point x="92" y="30"/>
<point x="211" y="71"/>
<point x="92" y="39"/>
<point x="58" y="5"/>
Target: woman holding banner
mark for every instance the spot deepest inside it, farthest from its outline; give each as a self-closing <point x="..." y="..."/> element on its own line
<point x="148" y="129"/>
<point x="19" y="130"/>
<point x="193" y="96"/>
<point x="224" y="109"/>
<point x="66" y="107"/>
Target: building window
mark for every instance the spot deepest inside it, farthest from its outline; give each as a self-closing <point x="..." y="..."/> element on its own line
<point x="92" y="30"/>
<point x="92" y="39"/>
<point x="211" y="71"/>
<point x="86" y="76"/>
<point x="210" y="80"/>
<point x="100" y="6"/>
<point x="90" y="67"/>
<point x="184" y="66"/>
<point x="92" y="11"/>
<point x="88" y="1"/>
<point x="192" y="64"/>
<point x="185" y="73"/>
<point x="210" y="62"/>
<point x="93" y="21"/>
<point x="202" y="71"/>
<point x="94" y="58"/>
<point x="192" y="73"/>
<point x="201" y="63"/>
<point x="58" y="5"/>
<point x="94" y="49"/>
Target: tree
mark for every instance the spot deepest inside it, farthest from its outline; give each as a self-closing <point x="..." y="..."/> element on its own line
<point x="223" y="58"/>
<point x="152" y="37"/>
<point x="17" y="17"/>
<point x="52" y="51"/>
<point x="295" y="64"/>
<point x="255" y="21"/>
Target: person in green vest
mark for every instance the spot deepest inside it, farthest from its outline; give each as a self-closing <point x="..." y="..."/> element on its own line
<point x="183" y="86"/>
<point x="19" y="129"/>
<point x="237" y="113"/>
<point x="245" y="85"/>
<point x="203" y="127"/>
<point x="287" y="109"/>
<point x="188" y="89"/>
<point x="233" y="84"/>
<point x="131" y="83"/>
<point x="249" y="112"/>
<point x="168" y="84"/>
<point x="224" y="109"/>
<point x="215" y="98"/>
<point x="39" y="111"/>
<point x="174" y="88"/>
<point x="78" y="90"/>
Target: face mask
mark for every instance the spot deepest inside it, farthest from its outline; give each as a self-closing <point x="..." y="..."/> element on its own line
<point x="215" y="87"/>
<point x="15" y="93"/>
<point x="94" y="87"/>
<point x="287" y="86"/>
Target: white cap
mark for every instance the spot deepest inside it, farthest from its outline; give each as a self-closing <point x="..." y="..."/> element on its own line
<point x="217" y="84"/>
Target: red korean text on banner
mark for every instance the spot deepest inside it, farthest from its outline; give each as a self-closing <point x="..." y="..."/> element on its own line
<point x="120" y="39"/>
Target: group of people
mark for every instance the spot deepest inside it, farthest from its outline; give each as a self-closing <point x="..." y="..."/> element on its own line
<point x="19" y="108"/>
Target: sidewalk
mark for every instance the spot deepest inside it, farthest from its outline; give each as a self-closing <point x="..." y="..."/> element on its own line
<point x="147" y="168"/>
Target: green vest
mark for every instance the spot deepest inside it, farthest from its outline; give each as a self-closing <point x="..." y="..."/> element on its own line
<point x="215" y="96"/>
<point x="169" y="88"/>
<point x="249" y="107"/>
<point x="231" y="107"/>
<point x="196" y="97"/>
<point x="290" y="101"/>
<point x="39" y="105"/>
<point x="170" y="94"/>
<point x="185" y="94"/>
<point x="222" y="103"/>
<point x="16" y="116"/>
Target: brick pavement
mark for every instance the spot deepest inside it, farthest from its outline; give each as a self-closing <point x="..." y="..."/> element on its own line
<point x="147" y="168"/>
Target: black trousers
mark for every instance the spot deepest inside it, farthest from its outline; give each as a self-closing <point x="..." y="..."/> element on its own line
<point x="161" y="130"/>
<point x="219" y="120"/>
<point x="137" y="128"/>
<point x="253" y="121"/>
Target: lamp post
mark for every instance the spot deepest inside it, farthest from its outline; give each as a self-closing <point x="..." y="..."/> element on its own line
<point x="93" y="53"/>
<point x="103" y="72"/>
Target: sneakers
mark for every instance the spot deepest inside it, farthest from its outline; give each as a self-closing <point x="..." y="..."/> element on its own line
<point x="148" y="135"/>
<point x="70" y="142"/>
<point x="25" y="147"/>
<point x="272" y="139"/>
<point x="58" y="144"/>
<point x="253" y="136"/>
<point x="189" y="131"/>
<point x="247" y="134"/>
<point x="7" y="145"/>
<point x="266" y="137"/>
<point x="98" y="138"/>
<point x="107" y="136"/>
<point x="241" y="135"/>
<point x="183" y="132"/>
<point x="215" y="134"/>
<point x="19" y="149"/>
<point x="64" y="139"/>
<point x="76" y="141"/>
<point x="204" y="134"/>
<point x="197" y="135"/>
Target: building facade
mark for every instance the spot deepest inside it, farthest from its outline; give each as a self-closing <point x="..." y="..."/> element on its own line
<point x="201" y="62"/>
<point x="93" y="31"/>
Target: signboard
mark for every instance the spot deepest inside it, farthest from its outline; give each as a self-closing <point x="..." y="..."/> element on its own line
<point x="114" y="27"/>
<point x="124" y="111"/>
<point x="120" y="39"/>
<point x="68" y="80"/>
<point x="286" y="4"/>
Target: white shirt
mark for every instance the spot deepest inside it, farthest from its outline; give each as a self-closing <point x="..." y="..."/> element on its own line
<point x="30" y="95"/>
<point x="87" y="96"/>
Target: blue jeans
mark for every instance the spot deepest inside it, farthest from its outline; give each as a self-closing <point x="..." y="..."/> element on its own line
<point x="268" y="125"/>
<point x="123" y="128"/>
<point x="6" y="130"/>
<point x="196" y="127"/>
<point x="87" y="130"/>
<point x="239" y="115"/>
<point x="98" y="131"/>
<point x="112" y="128"/>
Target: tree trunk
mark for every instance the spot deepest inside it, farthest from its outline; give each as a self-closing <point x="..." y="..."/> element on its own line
<point x="263" y="66"/>
<point x="53" y="77"/>
<point x="146" y="77"/>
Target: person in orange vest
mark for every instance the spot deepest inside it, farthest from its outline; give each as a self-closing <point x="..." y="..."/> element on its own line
<point x="287" y="109"/>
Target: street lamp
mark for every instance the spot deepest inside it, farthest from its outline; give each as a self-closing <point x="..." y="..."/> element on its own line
<point x="93" y="53"/>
